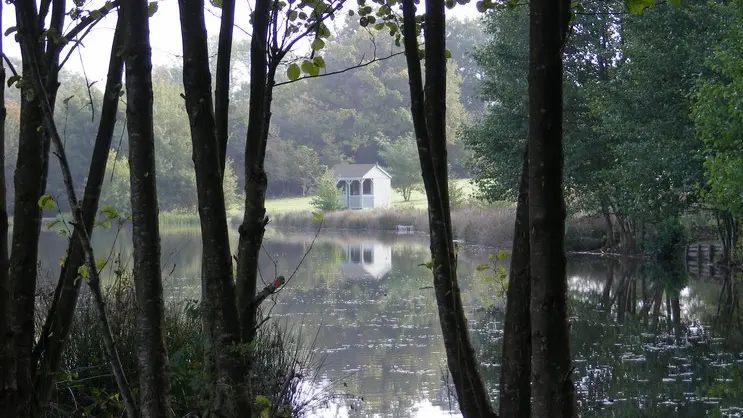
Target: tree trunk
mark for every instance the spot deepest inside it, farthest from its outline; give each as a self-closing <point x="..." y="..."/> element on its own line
<point x="48" y="351"/>
<point x="30" y="184"/>
<point x="554" y="392"/>
<point x="515" y="381"/>
<point x="7" y="363"/>
<point x="152" y="354"/>
<point x="254" y="219"/>
<point x="222" y="81"/>
<point x="220" y="317"/>
<point x="429" y="120"/>
<point x="610" y="241"/>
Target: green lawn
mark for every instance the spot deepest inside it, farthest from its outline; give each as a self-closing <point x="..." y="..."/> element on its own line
<point x="303" y="204"/>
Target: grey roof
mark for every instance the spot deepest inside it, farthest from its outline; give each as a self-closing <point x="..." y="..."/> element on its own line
<point x="354" y="170"/>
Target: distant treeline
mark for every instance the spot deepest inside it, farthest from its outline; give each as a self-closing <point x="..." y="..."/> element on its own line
<point x="315" y="123"/>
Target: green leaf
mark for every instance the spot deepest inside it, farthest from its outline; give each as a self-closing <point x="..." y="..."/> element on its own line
<point x="62" y="260"/>
<point x="637" y="6"/>
<point x="317" y="216"/>
<point x="96" y="14"/>
<point x="310" y="68"/>
<point x="100" y="263"/>
<point x="83" y="271"/>
<point x="428" y="265"/>
<point x="13" y="79"/>
<point x="501" y="253"/>
<point x="52" y="223"/>
<point x="447" y="54"/>
<point x="319" y="62"/>
<point x="318" y="44"/>
<point x="293" y="72"/>
<point x="292" y="15"/>
<point x="47" y="202"/>
<point x="109" y="212"/>
<point x="152" y="8"/>
<point x="482" y="267"/>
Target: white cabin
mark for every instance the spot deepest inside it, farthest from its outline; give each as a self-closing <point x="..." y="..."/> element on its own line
<point x="364" y="186"/>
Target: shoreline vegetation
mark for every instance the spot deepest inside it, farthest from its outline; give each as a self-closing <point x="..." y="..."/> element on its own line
<point x="482" y="226"/>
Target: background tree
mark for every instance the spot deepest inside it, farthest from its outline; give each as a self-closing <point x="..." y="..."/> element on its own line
<point x="719" y="125"/>
<point x="400" y="159"/>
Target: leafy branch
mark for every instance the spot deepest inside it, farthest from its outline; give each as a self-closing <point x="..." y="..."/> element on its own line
<point x="361" y="64"/>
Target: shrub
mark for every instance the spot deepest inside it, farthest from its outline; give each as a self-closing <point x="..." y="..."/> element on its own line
<point x="282" y="364"/>
<point x="327" y="194"/>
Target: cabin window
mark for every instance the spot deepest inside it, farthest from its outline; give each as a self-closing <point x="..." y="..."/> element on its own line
<point x="355" y="188"/>
<point x="368" y="187"/>
<point x="368" y="256"/>
<point x="355" y="255"/>
<point x="341" y="186"/>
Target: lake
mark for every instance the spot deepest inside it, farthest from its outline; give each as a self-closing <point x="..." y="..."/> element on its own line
<point x="648" y="340"/>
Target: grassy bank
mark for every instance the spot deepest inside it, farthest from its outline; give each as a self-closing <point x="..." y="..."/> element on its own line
<point x="489" y="226"/>
<point x="417" y="200"/>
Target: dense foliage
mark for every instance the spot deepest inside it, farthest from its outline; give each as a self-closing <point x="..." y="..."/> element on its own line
<point x="631" y="152"/>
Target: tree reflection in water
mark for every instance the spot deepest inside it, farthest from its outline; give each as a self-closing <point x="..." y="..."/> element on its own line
<point x="647" y="339"/>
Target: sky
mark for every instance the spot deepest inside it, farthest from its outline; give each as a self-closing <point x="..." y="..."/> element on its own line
<point x="165" y="35"/>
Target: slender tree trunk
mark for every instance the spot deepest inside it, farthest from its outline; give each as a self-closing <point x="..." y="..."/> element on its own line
<point x="7" y="363"/>
<point x="30" y="185"/>
<point x="515" y="381"/>
<point x="554" y="393"/>
<point x="152" y="354"/>
<point x="36" y="81"/>
<point x="429" y="119"/>
<point x="48" y="350"/>
<point x="221" y="321"/>
<point x="222" y="81"/>
<point x="610" y="241"/>
<point x="254" y="218"/>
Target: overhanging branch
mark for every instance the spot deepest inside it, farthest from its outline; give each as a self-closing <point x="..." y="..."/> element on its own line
<point x="360" y="65"/>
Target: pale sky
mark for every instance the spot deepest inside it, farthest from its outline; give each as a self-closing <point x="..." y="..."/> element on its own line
<point x="165" y="34"/>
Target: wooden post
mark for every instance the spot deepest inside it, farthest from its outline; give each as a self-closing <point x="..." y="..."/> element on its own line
<point x="699" y="261"/>
<point x="711" y="252"/>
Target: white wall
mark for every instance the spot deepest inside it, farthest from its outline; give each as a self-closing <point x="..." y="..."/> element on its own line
<point x="382" y="192"/>
<point x="382" y="188"/>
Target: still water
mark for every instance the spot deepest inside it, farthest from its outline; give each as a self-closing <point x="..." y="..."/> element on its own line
<point x="648" y="340"/>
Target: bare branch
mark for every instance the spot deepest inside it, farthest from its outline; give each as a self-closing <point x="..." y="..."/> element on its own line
<point x="76" y="44"/>
<point x="10" y="64"/>
<point x="360" y="65"/>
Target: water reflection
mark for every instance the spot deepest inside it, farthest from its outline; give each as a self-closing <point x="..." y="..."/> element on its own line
<point x="648" y="339"/>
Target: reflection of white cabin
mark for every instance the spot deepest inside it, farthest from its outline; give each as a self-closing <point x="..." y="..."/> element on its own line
<point x="372" y="258"/>
<point x="364" y="186"/>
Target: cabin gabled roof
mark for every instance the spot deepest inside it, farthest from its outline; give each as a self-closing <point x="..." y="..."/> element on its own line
<point x="356" y="170"/>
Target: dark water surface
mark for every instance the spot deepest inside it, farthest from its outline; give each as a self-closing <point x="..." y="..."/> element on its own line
<point x="648" y="340"/>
